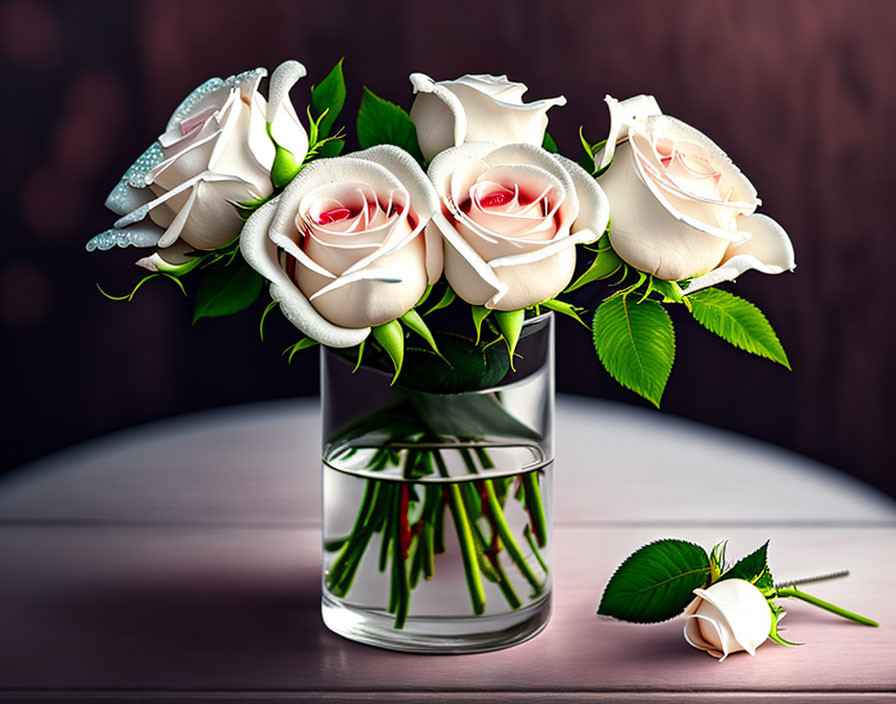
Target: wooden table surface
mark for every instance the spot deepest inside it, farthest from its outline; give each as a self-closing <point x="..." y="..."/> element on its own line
<point x="180" y="561"/>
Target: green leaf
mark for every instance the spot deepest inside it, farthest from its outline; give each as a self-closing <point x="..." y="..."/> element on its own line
<point x="391" y="336"/>
<point x="413" y="320"/>
<point x="717" y="561"/>
<point x="636" y="344"/>
<point x="328" y="96"/>
<point x="511" y="323"/>
<point x="480" y="313"/>
<point x="227" y="290"/>
<point x="285" y="166"/>
<point x="737" y="321"/>
<point x="655" y="583"/>
<point x="754" y="569"/>
<point x="565" y="308"/>
<point x="302" y="344"/>
<point x="446" y="300"/>
<point x="605" y="264"/>
<point x="464" y="366"/>
<point x="548" y="144"/>
<point x="382" y="122"/>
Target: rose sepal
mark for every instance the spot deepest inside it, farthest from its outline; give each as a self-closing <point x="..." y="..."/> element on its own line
<point x="510" y="323"/>
<point x="391" y="338"/>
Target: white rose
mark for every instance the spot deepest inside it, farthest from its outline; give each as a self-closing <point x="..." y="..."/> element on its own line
<point x="511" y="217"/>
<point x="215" y="152"/>
<point x="730" y="616"/>
<point x="680" y="207"/>
<point x="476" y="108"/>
<point x="345" y="245"/>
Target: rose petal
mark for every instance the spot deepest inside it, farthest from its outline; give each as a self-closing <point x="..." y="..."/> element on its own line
<point x="260" y="252"/>
<point x="768" y="250"/>
<point x="233" y="154"/>
<point x="498" y="87"/>
<point x="209" y="218"/>
<point x="622" y="115"/>
<point x="535" y="276"/>
<point x="144" y="234"/>
<point x="185" y="159"/>
<point x="695" y="633"/>
<point x="438" y="116"/>
<point x="505" y="123"/>
<point x="124" y="198"/>
<point x="286" y="128"/>
<point x="374" y="295"/>
<point x="469" y="274"/>
<point x="197" y="103"/>
<point x="646" y="235"/>
<point x="594" y="206"/>
<point x="397" y="161"/>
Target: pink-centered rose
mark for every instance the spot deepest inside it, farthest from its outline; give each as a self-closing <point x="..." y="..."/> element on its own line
<point x="680" y="208"/>
<point x="511" y="217"/>
<point x="215" y="152"/>
<point x="345" y="245"/>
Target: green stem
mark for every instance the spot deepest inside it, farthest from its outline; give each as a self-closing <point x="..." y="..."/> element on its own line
<point x="507" y="538"/>
<point x="391" y="517"/>
<point x="795" y="593"/>
<point x="489" y="550"/>
<point x="535" y="508"/>
<point x="464" y="539"/>
<point x="342" y="572"/>
<point x="402" y="591"/>
<point x="415" y="558"/>
<point x="527" y="531"/>
<point x="504" y="584"/>
<point x="428" y="546"/>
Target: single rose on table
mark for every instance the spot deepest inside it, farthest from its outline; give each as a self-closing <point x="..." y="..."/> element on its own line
<point x="214" y="153"/>
<point x="345" y="246"/>
<point x="511" y="217"/>
<point x="476" y="108"/>
<point x="680" y="208"/>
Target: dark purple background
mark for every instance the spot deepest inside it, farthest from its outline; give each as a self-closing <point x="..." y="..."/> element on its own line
<point x="801" y="94"/>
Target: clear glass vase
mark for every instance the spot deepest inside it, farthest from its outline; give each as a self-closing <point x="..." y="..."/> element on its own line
<point x="437" y="506"/>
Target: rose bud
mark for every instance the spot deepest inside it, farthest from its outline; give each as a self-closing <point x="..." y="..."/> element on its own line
<point x="729" y="616"/>
<point x="476" y="108"/>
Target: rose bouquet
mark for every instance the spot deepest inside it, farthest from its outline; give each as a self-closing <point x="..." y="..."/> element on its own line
<point x="432" y="258"/>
